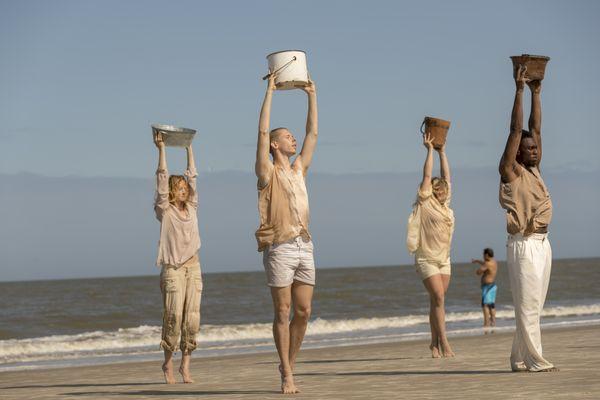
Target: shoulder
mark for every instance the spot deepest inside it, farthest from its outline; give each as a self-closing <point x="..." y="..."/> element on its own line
<point x="298" y="165"/>
<point x="517" y="175"/>
<point x="265" y="180"/>
<point x="424" y="194"/>
<point x="511" y="173"/>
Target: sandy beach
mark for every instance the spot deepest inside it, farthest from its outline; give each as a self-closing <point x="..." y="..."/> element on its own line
<point x="379" y="371"/>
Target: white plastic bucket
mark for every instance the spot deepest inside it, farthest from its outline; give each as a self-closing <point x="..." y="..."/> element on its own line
<point x="174" y="136"/>
<point x="290" y="67"/>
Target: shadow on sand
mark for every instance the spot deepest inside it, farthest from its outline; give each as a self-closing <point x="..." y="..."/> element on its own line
<point x="400" y="373"/>
<point x="173" y="393"/>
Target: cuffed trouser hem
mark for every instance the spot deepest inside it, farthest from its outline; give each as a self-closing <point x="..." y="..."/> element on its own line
<point x="188" y="347"/>
<point x="166" y="346"/>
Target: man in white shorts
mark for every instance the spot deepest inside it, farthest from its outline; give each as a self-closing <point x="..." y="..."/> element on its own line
<point x="283" y="235"/>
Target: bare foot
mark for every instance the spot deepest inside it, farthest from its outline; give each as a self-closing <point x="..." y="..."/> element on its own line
<point x="168" y="371"/>
<point x="435" y="352"/>
<point x="281" y="374"/>
<point x="185" y="374"/>
<point x="447" y="350"/>
<point x="288" y="386"/>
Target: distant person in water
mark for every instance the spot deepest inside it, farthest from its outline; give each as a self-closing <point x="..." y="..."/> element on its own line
<point x="175" y="205"/>
<point x="528" y="206"/>
<point x="283" y="236"/>
<point x="432" y="225"/>
<point x="488" y="270"/>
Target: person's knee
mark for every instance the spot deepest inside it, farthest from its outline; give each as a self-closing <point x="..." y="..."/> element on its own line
<point x="282" y="313"/>
<point x="437" y="299"/>
<point x="302" y="312"/>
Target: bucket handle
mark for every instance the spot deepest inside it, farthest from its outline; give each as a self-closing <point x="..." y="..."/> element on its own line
<point x="421" y="129"/>
<point x="279" y="69"/>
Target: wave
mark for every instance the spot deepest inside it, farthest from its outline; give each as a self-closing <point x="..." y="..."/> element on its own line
<point x="144" y="339"/>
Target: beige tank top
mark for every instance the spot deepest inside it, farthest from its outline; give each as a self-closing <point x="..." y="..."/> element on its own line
<point x="527" y="203"/>
<point x="283" y="208"/>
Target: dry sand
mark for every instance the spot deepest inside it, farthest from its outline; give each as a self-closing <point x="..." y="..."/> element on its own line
<point x="380" y="371"/>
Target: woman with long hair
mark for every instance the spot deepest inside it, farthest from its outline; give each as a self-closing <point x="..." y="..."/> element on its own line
<point x="435" y="226"/>
<point x="175" y="205"/>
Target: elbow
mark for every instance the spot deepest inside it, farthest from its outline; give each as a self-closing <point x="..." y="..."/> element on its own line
<point x="502" y="165"/>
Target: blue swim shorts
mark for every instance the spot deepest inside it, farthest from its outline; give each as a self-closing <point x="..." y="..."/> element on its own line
<point x="488" y="295"/>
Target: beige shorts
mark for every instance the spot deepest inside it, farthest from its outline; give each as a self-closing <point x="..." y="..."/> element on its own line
<point x="427" y="268"/>
<point x="288" y="262"/>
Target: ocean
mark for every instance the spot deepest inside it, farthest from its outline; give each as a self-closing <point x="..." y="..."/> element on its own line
<point x="58" y="323"/>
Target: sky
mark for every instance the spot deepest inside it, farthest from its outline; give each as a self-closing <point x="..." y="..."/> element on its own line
<point x="82" y="81"/>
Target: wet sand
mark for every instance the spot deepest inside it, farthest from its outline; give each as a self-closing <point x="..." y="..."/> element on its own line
<point x="378" y="371"/>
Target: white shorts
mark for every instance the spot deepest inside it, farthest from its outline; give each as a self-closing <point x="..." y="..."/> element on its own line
<point x="289" y="261"/>
<point x="428" y="268"/>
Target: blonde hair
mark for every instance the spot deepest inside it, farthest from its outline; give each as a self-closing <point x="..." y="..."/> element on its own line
<point x="437" y="182"/>
<point x="173" y="182"/>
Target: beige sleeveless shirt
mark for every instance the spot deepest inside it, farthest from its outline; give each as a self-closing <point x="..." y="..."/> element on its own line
<point x="527" y="203"/>
<point x="436" y="226"/>
<point x="283" y="208"/>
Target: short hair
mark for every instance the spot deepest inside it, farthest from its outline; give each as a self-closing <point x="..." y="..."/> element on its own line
<point x="488" y="252"/>
<point x="273" y="135"/>
<point x="173" y="182"/>
<point x="526" y="134"/>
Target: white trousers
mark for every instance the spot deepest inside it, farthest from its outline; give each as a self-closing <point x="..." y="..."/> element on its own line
<point x="529" y="261"/>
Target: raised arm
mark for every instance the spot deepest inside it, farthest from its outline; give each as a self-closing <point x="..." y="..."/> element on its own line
<point x="191" y="175"/>
<point x="535" y="118"/>
<point x="508" y="161"/>
<point x="428" y="167"/>
<point x="312" y="128"/>
<point x="444" y="166"/>
<point x="263" y="165"/>
<point x="162" y="155"/>
<point x="161" y="197"/>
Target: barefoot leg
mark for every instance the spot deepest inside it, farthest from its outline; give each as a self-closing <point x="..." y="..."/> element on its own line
<point x="282" y="298"/>
<point x="184" y="368"/>
<point x="302" y="298"/>
<point x="436" y="286"/>
<point x="167" y="368"/>
<point x="434" y="346"/>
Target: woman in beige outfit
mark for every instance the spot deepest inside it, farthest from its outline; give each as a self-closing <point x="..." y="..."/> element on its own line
<point x="432" y="257"/>
<point x="175" y="205"/>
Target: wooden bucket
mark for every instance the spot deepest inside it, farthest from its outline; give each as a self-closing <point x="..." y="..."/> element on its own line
<point x="536" y="65"/>
<point x="437" y="128"/>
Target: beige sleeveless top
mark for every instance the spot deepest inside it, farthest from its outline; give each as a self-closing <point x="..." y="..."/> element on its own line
<point x="436" y="226"/>
<point x="527" y="203"/>
<point x="283" y="208"/>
